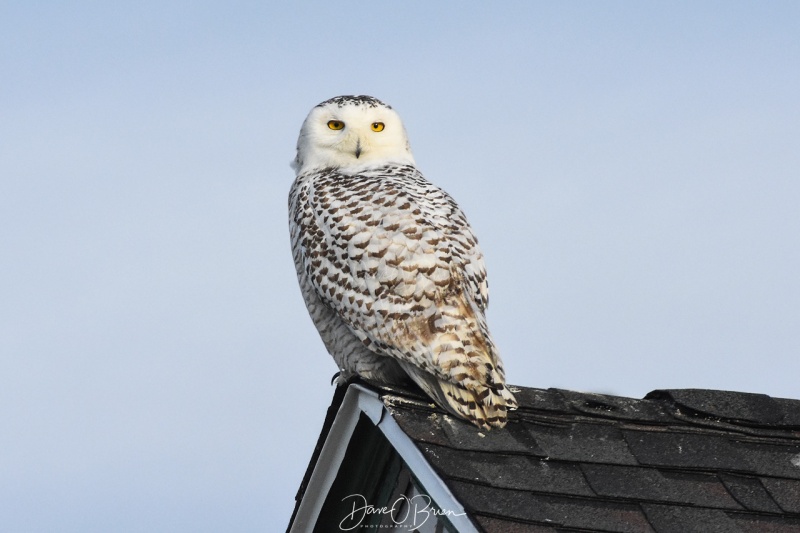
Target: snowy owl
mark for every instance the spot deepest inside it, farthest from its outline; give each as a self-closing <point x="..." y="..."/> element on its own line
<point x="388" y="266"/>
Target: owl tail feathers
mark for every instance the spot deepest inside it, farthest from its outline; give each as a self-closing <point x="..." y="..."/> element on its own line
<point x="485" y="406"/>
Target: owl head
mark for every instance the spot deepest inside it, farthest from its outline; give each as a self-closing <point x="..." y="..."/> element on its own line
<point x="349" y="133"/>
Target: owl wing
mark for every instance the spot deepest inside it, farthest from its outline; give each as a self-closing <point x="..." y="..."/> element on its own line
<point x="395" y="258"/>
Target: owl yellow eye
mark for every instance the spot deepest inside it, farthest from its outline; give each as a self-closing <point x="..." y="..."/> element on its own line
<point x="336" y="124"/>
<point x="377" y="126"/>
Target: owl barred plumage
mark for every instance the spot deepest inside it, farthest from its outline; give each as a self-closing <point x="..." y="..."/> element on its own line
<point x="389" y="268"/>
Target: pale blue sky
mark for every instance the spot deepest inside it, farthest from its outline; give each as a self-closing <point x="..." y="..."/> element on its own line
<point x="632" y="170"/>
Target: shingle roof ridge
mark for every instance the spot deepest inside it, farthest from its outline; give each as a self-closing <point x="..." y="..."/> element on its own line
<point x="736" y="408"/>
<point x="749" y="414"/>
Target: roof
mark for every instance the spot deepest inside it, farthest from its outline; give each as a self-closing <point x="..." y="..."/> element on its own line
<point x="677" y="460"/>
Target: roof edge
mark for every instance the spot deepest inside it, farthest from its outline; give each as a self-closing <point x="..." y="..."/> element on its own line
<point x="357" y="400"/>
<point x="331" y="456"/>
<point x="433" y="484"/>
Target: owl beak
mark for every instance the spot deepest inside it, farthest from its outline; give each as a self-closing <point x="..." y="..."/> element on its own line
<point x="358" y="148"/>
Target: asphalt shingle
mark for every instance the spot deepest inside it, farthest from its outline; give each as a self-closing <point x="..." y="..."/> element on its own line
<point x="750" y="493"/>
<point x="543" y="509"/>
<point x="678" y="460"/>
<point x="508" y="471"/>
<point x="650" y="484"/>
<point x="786" y="492"/>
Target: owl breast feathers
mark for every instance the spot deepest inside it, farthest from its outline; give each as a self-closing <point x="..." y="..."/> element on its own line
<point x="388" y="265"/>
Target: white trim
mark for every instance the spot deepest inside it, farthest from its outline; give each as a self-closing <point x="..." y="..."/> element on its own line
<point x="328" y="463"/>
<point x="359" y="400"/>
<point x="427" y="476"/>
